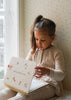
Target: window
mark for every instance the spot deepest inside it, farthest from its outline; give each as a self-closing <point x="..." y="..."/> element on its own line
<point x="2" y="48"/>
<point x="1" y="4"/>
<point x="9" y="45"/>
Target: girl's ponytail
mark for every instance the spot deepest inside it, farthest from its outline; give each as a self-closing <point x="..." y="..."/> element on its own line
<point x="38" y="19"/>
<point x="33" y="44"/>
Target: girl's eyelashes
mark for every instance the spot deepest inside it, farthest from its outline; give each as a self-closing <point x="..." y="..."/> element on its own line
<point x="40" y="40"/>
<point x="36" y="39"/>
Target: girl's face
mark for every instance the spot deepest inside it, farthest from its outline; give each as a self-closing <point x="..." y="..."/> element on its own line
<point x="42" y="39"/>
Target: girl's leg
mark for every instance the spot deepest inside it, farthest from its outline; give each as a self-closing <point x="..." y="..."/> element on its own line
<point x="39" y="94"/>
<point x="6" y="93"/>
<point x="43" y="93"/>
<point x="17" y="97"/>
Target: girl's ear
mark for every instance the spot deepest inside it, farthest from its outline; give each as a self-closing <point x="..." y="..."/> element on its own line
<point x="53" y="37"/>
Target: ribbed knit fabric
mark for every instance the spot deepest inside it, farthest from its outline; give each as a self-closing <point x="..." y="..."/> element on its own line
<point x="53" y="59"/>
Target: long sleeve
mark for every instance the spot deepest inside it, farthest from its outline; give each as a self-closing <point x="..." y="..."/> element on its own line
<point x="59" y="72"/>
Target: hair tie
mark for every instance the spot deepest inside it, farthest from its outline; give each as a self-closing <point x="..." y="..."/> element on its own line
<point x="42" y="18"/>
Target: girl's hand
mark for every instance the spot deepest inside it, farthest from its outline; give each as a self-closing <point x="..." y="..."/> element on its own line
<point x="40" y="71"/>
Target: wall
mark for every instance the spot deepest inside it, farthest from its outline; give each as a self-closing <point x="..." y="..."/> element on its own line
<point x="60" y="12"/>
<point x="21" y="27"/>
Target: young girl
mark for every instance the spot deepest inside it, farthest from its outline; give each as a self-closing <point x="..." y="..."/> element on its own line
<point x="49" y="60"/>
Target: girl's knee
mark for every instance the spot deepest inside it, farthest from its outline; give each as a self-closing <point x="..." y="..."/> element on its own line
<point x="6" y="93"/>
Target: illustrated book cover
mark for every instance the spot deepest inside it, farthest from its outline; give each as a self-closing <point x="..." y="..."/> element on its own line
<point x="19" y="76"/>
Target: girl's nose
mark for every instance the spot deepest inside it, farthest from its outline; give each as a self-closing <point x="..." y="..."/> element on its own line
<point x="39" y="42"/>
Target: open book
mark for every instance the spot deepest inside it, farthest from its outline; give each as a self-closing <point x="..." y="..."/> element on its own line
<point x="19" y="76"/>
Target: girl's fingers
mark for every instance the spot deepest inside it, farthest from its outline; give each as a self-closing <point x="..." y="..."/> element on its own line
<point x="38" y="73"/>
<point x="38" y="76"/>
<point x="38" y="67"/>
